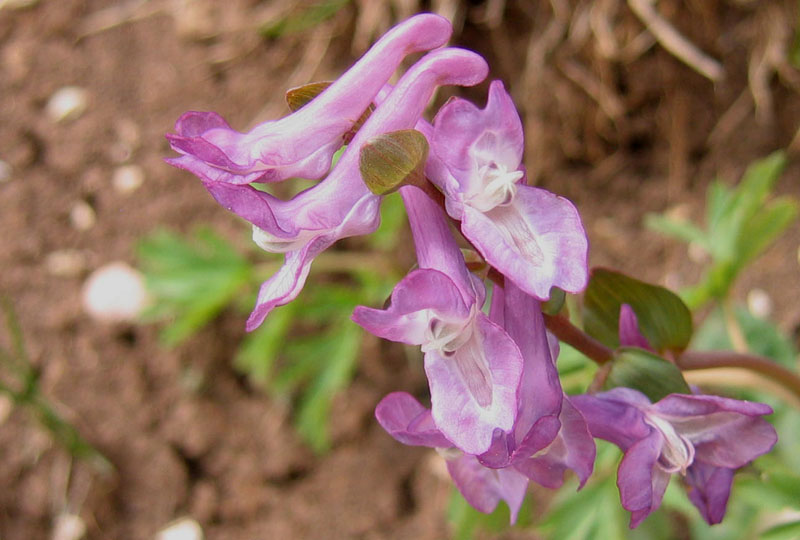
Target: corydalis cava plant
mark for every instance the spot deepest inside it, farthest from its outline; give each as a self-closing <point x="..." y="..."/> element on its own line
<point x="498" y="413"/>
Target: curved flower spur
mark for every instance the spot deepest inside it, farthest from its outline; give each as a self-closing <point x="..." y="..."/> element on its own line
<point x="341" y="205"/>
<point x="302" y="143"/>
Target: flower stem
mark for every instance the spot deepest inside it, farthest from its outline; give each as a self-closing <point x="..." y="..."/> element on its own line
<point x="574" y="336"/>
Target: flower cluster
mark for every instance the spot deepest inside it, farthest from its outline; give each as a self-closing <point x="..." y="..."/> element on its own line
<point x="498" y="413"/>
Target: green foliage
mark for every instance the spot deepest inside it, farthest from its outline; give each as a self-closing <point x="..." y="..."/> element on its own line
<point x="301" y="19"/>
<point x="741" y="223"/>
<point x="762" y="336"/>
<point x="650" y="374"/>
<point x="663" y="318"/>
<point x="305" y="352"/>
<point x="19" y="380"/>
<point x="192" y="279"/>
<point x="466" y="522"/>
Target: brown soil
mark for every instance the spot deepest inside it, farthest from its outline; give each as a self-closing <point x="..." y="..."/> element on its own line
<point x="621" y="131"/>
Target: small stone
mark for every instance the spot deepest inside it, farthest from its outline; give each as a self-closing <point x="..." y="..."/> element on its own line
<point x="82" y="216"/>
<point x="759" y="303"/>
<point x="17" y="4"/>
<point x="67" y="103"/>
<point x="65" y="262"/>
<point x="182" y="529"/>
<point x="69" y="527"/>
<point x="5" y="172"/>
<point x="115" y="293"/>
<point x="127" y="179"/>
<point x="697" y="253"/>
<point x="6" y="406"/>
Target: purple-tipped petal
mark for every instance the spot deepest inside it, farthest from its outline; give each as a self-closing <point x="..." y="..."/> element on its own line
<point x="422" y="297"/>
<point x="612" y="416"/>
<point x="725" y="432"/>
<point x="573" y="449"/>
<point x="405" y="419"/>
<point x="464" y="134"/>
<point x="629" y="334"/>
<point x="708" y="488"/>
<point x="474" y="389"/>
<point x="537" y="241"/>
<point x="641" y="483"/>
<point x="483" y="488"/>
<point x="302" y="143"/>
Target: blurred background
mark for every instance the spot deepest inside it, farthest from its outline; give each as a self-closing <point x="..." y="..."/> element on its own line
<point x="126" y="287"/>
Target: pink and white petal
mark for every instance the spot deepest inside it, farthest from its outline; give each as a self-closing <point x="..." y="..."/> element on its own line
<point x="612" y="417"/>
<point x="640" y="481"/>
<point x="537" y="241"/>
<point x="573" y="449"/>
<point x="463" y="132"/>
<point x="405" y="419"/>
<point x="483" y="488"/>
<point x="709" y="488"/>
<point x="725" y="432"/>
<point x="419" y="297"/>
<point x="474" y="390"/>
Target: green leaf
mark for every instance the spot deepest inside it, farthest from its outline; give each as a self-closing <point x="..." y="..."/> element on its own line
<point x="764" y="227"/>
<point x="299" y="20"/>
<point x="191" y="280"/>
<point x="784" y="531"/>
<point x="337" y="368"/>
<point x="646" y="372"/>
<point x="663" y="318"/>
<point x="391" y="160"/>
<point x="762" y="336"/>
<point x="556" y="301"/>
<point x="260" y="349"/>
<point x="466" y="522"/>
<point x="682" y="230"/>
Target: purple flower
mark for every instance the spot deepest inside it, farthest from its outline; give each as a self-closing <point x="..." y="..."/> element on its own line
<point x="530" y="235"/>
<point x="549" y="435"/>
<point x="406" y="420"/>
<point x="340" y="205"/>
<point x="703" y="438"/>
<point x="629" y="333"/>
<point x="473" y="366"/>
<point x="302" y="143"/>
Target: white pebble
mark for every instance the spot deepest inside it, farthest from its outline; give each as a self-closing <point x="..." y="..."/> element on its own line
<point x="759" y="303"/>
<point x="127" y="179"/>
<point x="65" y="262"/>
<point x="69" y="527"/>
<point x="17" y="4"/>
<point x="82" y="216"/>
<point x="5" y="172"/>
<point x="183" y="529"/>
<point x="114" y="293"/>
<point x="6" y="406"/>
<point x="67" y="103"/>
<point x="697" y="253"/>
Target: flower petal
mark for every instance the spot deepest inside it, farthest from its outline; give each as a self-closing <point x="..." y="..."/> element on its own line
<point x="420" y="297"/>
<point x="302" y="143"/>
<point x="537" y="241"/>
<point x="474" y="390"/>
<point x="613" y="416"/>
<point x="641" y="483"/>
<point x="572" y="449"/>
<point x="405" y="419"/>
<point x="725" y="432"/>
<point x="463" y="132"/>
<point x="708" y="488"/>
<point x="483" y="488"/>
<point x="629" y="334"/>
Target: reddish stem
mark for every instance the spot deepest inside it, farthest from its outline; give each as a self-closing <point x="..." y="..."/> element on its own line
<point x="574" y="336"/>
